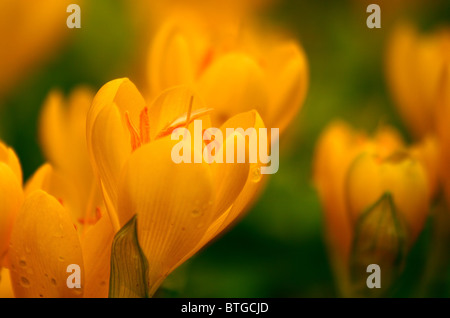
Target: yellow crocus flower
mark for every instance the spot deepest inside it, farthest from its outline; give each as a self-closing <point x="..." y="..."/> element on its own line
<point x="29" y="32"/>
<point x="180" y="207"/>
<point x="233" y="69"/>
<point x="415" y="68"/>
<point x="352" y="172"/>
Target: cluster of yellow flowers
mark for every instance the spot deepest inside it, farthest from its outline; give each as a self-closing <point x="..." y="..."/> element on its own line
<point x="377" y="191"/>
<point x="109" y="158"/>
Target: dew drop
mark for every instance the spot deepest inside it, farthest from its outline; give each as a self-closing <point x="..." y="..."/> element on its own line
<point x="24" y="282"/>
<point x="196" y="213"/>
<point x="22" y="263"/>
<point x="61" y="259"/>
<point x="256" y="174"/>
<point x="53" y="281"/>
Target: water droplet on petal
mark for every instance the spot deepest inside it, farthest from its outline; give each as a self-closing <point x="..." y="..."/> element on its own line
<point x="22" y="262"/>
<point x="255" y="174"/>
<point x="24" y="282"/>
<point x="196" y="213"/>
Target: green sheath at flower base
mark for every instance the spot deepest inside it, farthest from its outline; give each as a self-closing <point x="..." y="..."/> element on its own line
<point x="379" y="239"/>
<point x="129" y="266"/>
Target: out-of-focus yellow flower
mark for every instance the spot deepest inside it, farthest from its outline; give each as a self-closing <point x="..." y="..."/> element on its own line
<point x="179" y="207"/>
<point x="29" y="31"/>
<point x="336" y="150"/>
<point x="234" y="69"/>
<point x="443" y="130"/>
<point x="11" y="195"/>
<point x="63" y="138"/>
<point x="352" y="172"/>
<point x="71" y="180"/>
<point x="415" y="69"/>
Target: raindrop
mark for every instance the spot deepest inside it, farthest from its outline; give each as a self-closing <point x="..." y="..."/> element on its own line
<point x="196" y="213"/>
<point x="53" y="281"/>
<point x="22" y="263"/>
<point x="24" y="282"/>
<point x="61" y="259"/>
<point x="256" y="175"/>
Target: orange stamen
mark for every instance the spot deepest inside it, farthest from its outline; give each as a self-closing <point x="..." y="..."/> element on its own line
<point x="91" y="220"/>
<point x="134" y="135"/>
<point x="144" y="126"/>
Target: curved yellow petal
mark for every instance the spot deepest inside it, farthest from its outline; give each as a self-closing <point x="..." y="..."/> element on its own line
<point x="287" y="75"/>
<point x="254" y="180"/>
<point x="110" y="149"/>
<point x="9" y="157"/>
<point x="170" y="105"/>
<point x="337" y="147"/>
<point x="124" y="94"/>
<point x="44" y="243"/>
<point x="232" y="84"/>
<point x="63" y="138"/>
<point x="60" y="187"/>
<point x="415" y="64"/>
<point x="172" y="60"/>
<point x="174" y="205"/>
<point x="11" y="198"/>
<point x="96" y="245"/>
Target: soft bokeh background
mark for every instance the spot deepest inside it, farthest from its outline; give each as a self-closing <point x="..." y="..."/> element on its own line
<point x="278" y="249"/>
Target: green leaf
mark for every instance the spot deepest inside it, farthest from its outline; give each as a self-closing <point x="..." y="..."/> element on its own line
<point x="129" y="266"/>
<point x="379" y="239"/>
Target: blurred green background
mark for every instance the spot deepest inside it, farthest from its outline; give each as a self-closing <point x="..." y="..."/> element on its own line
<point x="278" y="249"/>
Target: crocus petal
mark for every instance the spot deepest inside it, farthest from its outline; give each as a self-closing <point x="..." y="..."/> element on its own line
<point x="287" y="75"/>
<point x="174" y="205"/>
<point x="96" y="245"/>
<point x="6" y="290"/>
<point x="253" y="184"/>
<point x="252" y="181"/>
<point x="336" y="149"/>
<point x="171" y="60"/>
<point x="52" y="182"/>
<point x="44" y="243"/>
<point x="234" y="83"/>
<point x="63" y="138"/>
<point x="11" y="198"/>
<point x="110" y="150"/>
<point x="124" y="94"/>
<point x="170" y="105"/>
<point x="9" y="157"/>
